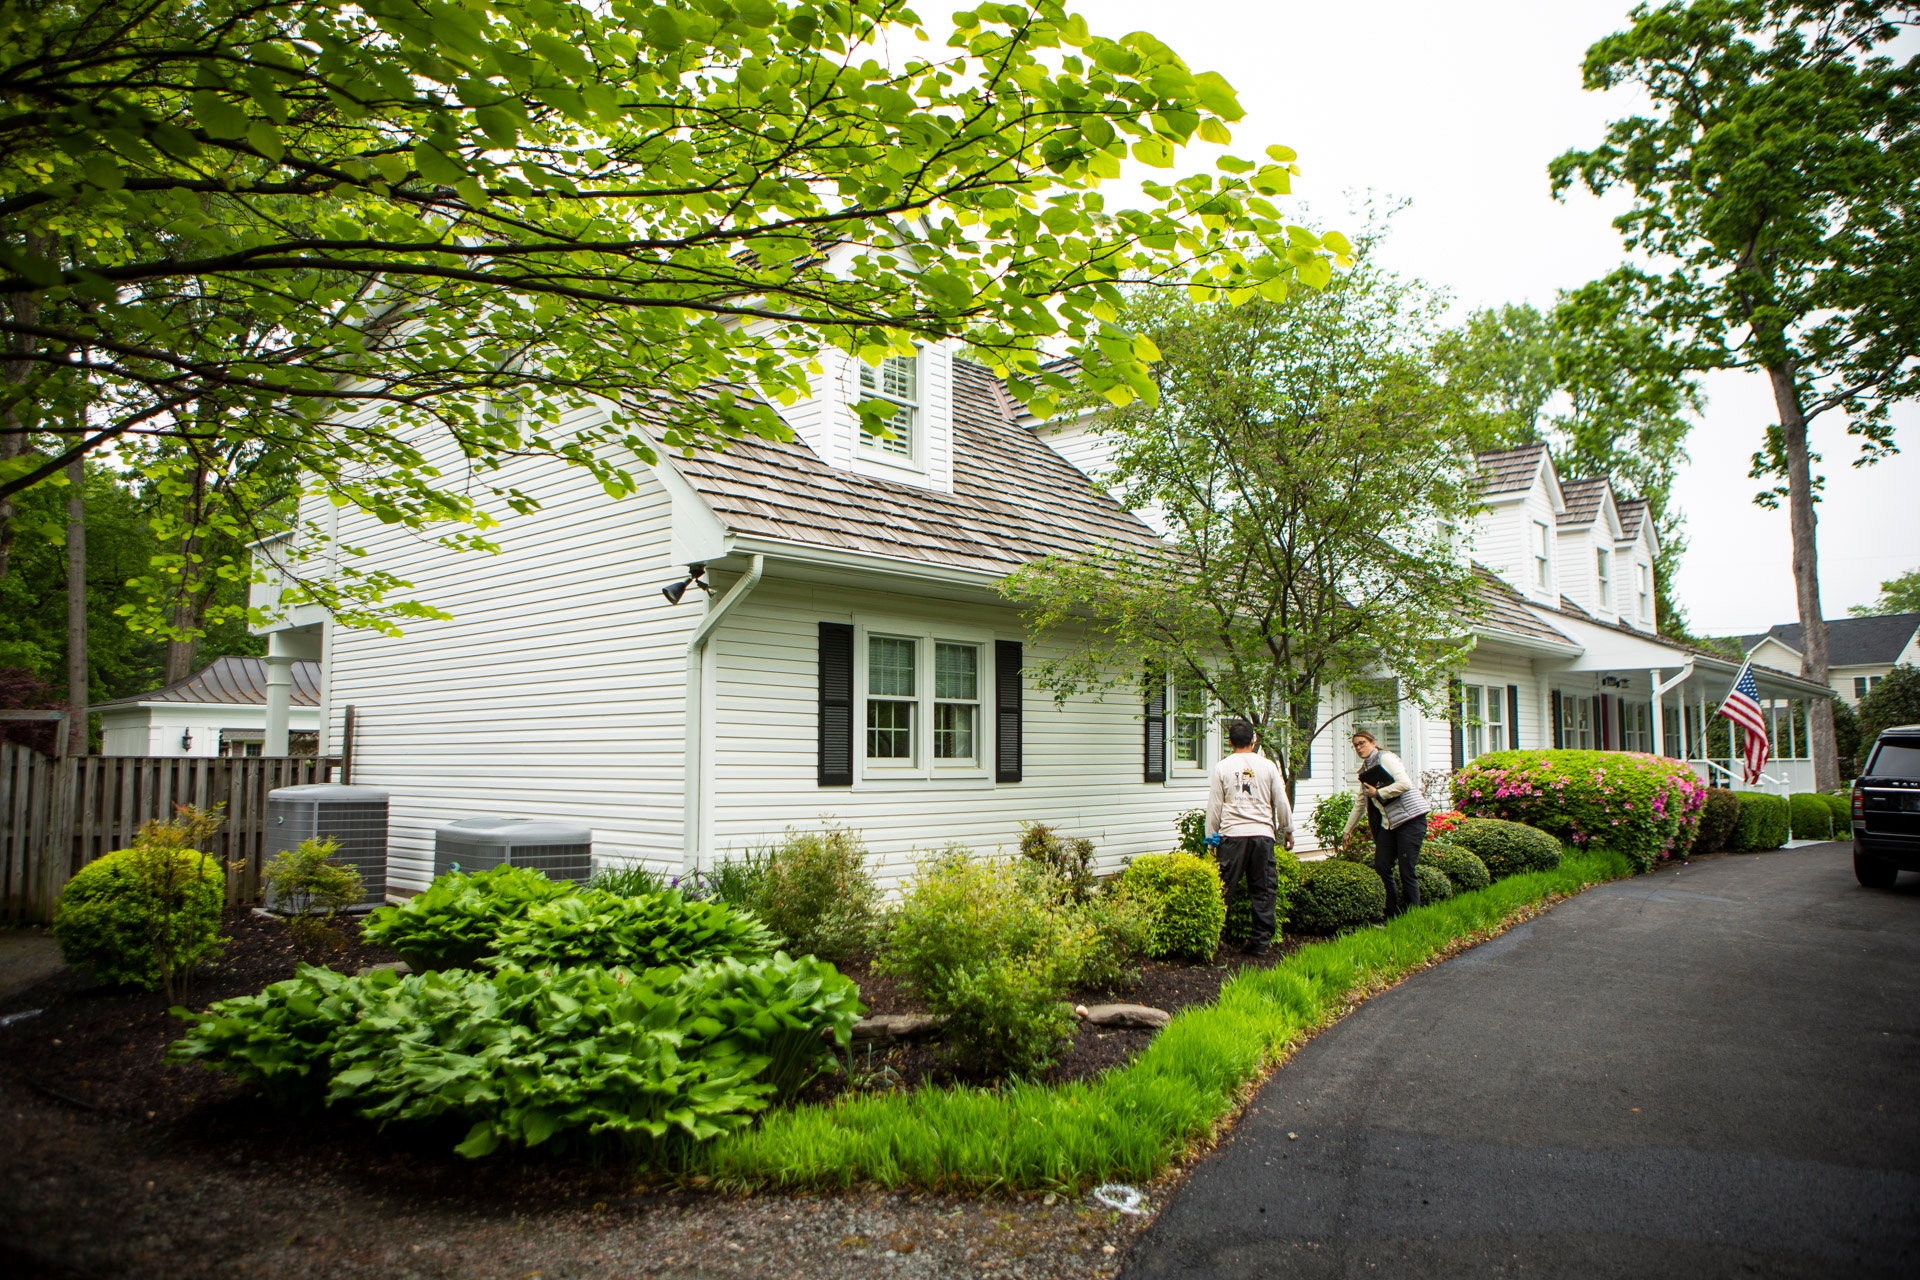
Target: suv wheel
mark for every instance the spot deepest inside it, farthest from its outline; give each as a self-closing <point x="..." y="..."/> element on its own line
<point x="1874" y="873"/>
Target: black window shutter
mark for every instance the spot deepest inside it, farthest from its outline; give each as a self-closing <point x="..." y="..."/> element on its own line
<point x="836" y="704"/>
<point x="1559" y="738"/>
<point x="1457" y="707"/>
<point x="1156" y="745"/>
<point x="1007" y="660"/>
<point x="1513" y="716"/>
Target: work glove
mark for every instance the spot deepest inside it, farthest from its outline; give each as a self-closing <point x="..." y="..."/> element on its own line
<point x="1213" y="841"/>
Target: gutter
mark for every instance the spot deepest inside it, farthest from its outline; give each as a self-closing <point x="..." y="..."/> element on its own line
<point x="696" y="818"/>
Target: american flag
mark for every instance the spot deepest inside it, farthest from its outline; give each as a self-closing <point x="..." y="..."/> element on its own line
<point x="1742" y="706"/>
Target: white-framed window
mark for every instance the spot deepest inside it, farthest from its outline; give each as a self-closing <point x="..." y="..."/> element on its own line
<point x="1603" y="574"/>
<point x="1188" y="720"/>
<point x="1576" y="722"/>
<point x="1484" y="708"/>
<point x="921" y="700"/>
<point x="1377" y="710"/>
<point x="897" y="381"/>
<point x="1646" y="592"/>
<point x="1636" y="726"/>
<point x="1542" y="555"/>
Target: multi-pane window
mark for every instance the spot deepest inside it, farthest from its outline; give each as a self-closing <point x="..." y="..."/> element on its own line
<point x="897" y="381"/>
<point x="1646" y="592"/>
<point x="1484" y="708"/>
<point x="1636" y="726"/>
<point x="1603" y="572"/>
<point x="956" y="702"/>
<point x="1576" y="723"/>
<point x="1863" y="685"/>
<point x="1189" y="727"/>
<point x="1542" y="555"/>
<point x="1377" y="710"/>
<point x="892" y="698"/>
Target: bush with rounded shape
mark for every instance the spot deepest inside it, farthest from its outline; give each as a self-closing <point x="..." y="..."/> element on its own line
<point x="1644" y="806"/>
<point x="817" y="892"/>
<point x="1182" y="893"/>
<point x="1507" y="848"/>
<point x="1464" y="871"/>
<point x="1841" y="807"/>
<point x="136" y="915"/>
<point x="1239" y="926"/>
<point x="1434" y="885"/>
<point x="453" y="923"/>
<point x="1334" y="894"/>
<point x="1330" y="814"/>
<point x="1765" y="822"/>
<point x="1809" y="817"/>
<point x="1719" y="811"/>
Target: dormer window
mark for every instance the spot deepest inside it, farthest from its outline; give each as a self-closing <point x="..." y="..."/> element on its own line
<point x="1542" y="555"/>
<point x="897" y="381"/>
<point x="1646" y="593"/>
<point x="1603" y="570"/>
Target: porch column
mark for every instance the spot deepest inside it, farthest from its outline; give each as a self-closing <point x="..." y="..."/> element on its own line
<point x="1659" y="719"/>
<point x="280" y="661"/>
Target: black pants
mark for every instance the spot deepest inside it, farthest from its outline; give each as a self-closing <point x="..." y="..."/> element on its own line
<point x="1252" y="857"/>
<point x="1400" y="845"/>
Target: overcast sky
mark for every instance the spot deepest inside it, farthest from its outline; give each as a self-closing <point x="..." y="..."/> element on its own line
<point x="1458" y="108"/>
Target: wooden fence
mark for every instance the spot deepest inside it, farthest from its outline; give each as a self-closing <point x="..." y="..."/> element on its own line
<point x="58" y="815"/>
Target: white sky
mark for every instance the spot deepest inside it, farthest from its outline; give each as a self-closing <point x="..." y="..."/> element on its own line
<point x="1458" y="108"/>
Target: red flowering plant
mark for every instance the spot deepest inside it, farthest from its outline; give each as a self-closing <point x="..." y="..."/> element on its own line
<point x="1644" y="806"/>
<point x="1442" y="821"/>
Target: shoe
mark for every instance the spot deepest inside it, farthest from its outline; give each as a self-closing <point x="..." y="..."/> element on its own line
<point x="1252" y="950"/>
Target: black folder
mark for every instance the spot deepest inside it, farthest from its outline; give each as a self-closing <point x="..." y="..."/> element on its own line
<point x="1375" y="776"/>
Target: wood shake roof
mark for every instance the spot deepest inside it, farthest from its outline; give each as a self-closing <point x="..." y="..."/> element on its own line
<point x="1504" y="609"/>
<point x="1506" y="471"/>
<point x="1015" y="499"/>
<point x="1584" y="498"/>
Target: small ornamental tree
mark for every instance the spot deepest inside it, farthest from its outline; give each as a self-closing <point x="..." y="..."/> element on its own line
<point x="1644" y="806"/>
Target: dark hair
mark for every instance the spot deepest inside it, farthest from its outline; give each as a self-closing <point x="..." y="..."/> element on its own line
<point x="1240" y="734"/>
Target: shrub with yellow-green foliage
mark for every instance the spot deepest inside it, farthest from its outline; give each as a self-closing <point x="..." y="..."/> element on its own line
<point x="142" y="917"/>
<point x="1182" y="895"/>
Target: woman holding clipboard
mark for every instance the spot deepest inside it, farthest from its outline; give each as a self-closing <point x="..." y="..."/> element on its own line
<point x="1396" y="815"/>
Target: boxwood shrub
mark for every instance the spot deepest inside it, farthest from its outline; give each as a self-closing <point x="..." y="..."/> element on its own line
<point x="1644" y="806"/>
<point x="1464" y="871"/>
<point x="1809" y="816"/>
<point x="1334" y="894"/>
<point x="1718" y="814"/>
<point x="1764" y="822"/>
<point x="1506" y="848"/>
<point x="1841" y="806"/>
<point x="455" y="921"/>
<point x="1434" y="885"/>
<point x="1181" y="893"/>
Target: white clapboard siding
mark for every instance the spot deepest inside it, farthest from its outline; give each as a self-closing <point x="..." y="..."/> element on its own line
<point x="556" y="690"/>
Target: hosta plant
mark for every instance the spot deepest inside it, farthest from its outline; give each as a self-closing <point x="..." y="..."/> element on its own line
<point x="457" y="919"/>
<point x="607" y="930"/>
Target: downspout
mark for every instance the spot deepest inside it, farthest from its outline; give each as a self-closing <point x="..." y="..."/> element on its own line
<point x="699" y="743"/>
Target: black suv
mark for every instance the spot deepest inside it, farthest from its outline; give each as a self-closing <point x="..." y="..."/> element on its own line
<point x="1886" y="809"/>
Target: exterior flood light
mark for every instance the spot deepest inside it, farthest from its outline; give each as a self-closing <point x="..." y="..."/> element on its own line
<point x="696" y="576"/>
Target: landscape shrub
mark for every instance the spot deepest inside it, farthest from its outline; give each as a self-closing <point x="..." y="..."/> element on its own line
<point x="145" y="916"/>
<point x="1764" y="822"/>
<point x="986" y="946"/>
<point x="1841" y="807"/>
<point x="1434" y="885"/>
<point x="1334" y="894"/>
<point x="1066" y="865"/>
<point x="1809" y="816"/>
<point x="311" y="890"/>
<point x="1645" y="806"/>
<point x="1464" y="871"/>
<point x="1239" y="924"/>
<point x="1330" y="814"/>
<point x="580" y="1057"/>
<point x="1181" y="892"/>
<point x="738" y="881"/>
<point x="816" y="892"/>
<point x="1718" y="814"/>
<point x="1122" y="930"/>
<point x="595" y="929"/>
<point x="455" y="920"/>
<point x="1508" y="848"/>
<point x="1192" y="826"/>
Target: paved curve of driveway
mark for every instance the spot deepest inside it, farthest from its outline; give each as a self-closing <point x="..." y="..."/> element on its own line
<point x="1710" y="1071"/>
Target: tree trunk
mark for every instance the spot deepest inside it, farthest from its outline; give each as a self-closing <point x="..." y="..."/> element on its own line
<point x="190" y="605"/>
<point x="25" y="309"/>
<point x="1806" y="569"/>
<point x="77" y="690"/>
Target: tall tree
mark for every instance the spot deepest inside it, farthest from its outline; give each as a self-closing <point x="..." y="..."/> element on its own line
<point x="441" y="207"/>
<point x="1601" y="388"/>
<point x="1309" y="468"/>
<point x="79" y="671"/>
<point x="1777" y="175"/>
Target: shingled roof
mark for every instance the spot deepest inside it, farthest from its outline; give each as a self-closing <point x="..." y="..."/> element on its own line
<point x="1504" y="609"/>
<point x="1014" y="497"/>
<point x="1851" y="642"/>
<point x="1505" y="471"/>
<point x="1584" y="498"/>
<point x="1632" y="512"/>
<point x="233" y="682"/>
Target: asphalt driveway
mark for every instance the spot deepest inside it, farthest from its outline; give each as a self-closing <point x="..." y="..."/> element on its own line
<point x="1709" y="1071"/>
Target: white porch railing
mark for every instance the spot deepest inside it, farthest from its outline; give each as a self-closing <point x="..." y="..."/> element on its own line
<point x="1782" y="777"/>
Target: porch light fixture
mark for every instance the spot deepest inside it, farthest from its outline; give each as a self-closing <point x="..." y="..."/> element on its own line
<point x="696" y="577"/>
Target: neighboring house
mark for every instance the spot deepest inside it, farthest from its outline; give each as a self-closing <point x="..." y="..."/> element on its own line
<point x="1859" y="650"/>
<point x="855" y="662"/>
<point x="220" y="710"/>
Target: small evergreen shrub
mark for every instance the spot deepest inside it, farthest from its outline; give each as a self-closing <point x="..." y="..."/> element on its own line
<point x="600" y="930"/>
<point x="1434" y="885"/>
<point x="1764" y="822"/>
<point x="1464" y="871"/>
<point x="1507" y="848"/>
<point x="312" y="890"/>
<point x="1067" y="865"/>
<point x="1239" y="926"/>
<point x="1718" y="814"/>
<point x="1122" y="930"/>
<point x="817" y="892"/>
<point x="1330" y="814"/>
<point x="1841" y="807"/>
<point x="1809" y="816"/>
<point x="455" y="921"/>
<point x="1334" y="894"/>
<point x="1644" y="806"/>
<point x="140" y="917"/>
<point x="1182" y="894"/>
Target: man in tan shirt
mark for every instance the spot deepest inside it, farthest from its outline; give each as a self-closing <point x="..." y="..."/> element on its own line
<point x="1247" y="814"/>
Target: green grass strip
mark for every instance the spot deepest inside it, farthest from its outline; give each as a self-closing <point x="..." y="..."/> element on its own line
<point x="1131" y="1123"/>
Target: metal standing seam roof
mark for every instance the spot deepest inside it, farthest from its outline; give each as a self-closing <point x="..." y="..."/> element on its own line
<point x="1014" y="499"/>
<point x="232" y="682"/>
<point x="1851" y="642"/>
<point x="1505" y="471"/>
